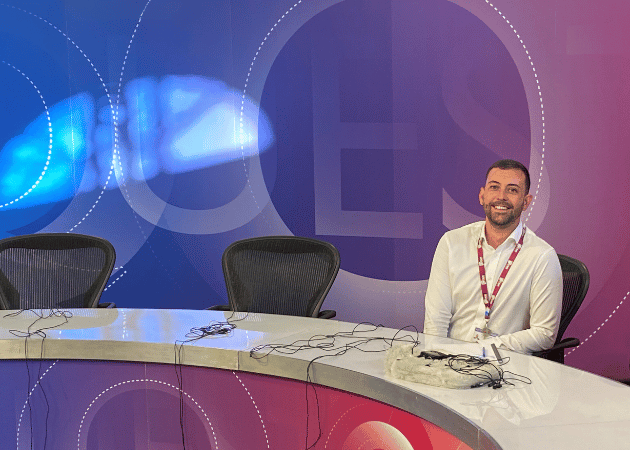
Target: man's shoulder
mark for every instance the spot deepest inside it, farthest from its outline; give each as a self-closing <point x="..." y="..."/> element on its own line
<point x="470" y="230"/>
<point x="463" y="235"/>
<point x="542" y="255"/>
<point x="536" y="242"/>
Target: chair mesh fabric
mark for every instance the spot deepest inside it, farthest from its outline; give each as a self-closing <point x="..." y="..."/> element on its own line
<point x="53" y="271"/>
<point x="575" y="281"/>
<point x="279" y="275"/>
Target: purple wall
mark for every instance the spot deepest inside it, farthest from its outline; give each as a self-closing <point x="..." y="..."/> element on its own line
<point x="96" y="405"/>
<point x="173" y="129"/>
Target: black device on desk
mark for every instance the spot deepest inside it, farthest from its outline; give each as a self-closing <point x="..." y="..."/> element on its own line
<point x="432" y="354"/>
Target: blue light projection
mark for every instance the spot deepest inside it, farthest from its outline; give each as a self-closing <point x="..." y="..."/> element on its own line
<point x="24" y="156"/>
<point x="174" y="125"/>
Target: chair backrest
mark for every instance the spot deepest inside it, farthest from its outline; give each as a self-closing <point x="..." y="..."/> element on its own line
<point x="575" y="281"/>
<point x="279" y="274"/>
<point x="54" y="270"/>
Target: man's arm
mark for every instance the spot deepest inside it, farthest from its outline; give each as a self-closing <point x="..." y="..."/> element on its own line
<point x="545" y="309"/>
<point x="438" y="299"/>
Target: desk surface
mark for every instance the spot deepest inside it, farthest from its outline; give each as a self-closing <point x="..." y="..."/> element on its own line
<point x="563" y="408"/>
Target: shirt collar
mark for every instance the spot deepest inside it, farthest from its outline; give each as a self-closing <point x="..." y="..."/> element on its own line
<point x="515" y="236"/>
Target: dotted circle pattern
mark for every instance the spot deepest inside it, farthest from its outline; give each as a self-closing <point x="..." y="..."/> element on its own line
<point x="255" y="406"/>
<point x="249" y="73"/>
<point x="50" y="141"/>
<point x="113" y="108"/>
<point x="114" y="282"/>
<point x="116" y="138"/>
<point x="274" y="27"/>
<point x="37" y="383"/>
<point x="118" y="97"/>
<point x="339" y="419"/>
<point x="602" y="324"/>
<point x="542" y="111"/>
<point x="114" y="112"/>
<point x="145" y="380"/>
<point x="542" y="108"/>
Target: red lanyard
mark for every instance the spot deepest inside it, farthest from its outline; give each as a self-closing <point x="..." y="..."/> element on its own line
<point x="489" y="302"/>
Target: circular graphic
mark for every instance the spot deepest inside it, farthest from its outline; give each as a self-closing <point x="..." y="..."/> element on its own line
<point x="370" y="425"/>
<point x="386" y="123"/>
<point x="119" y="407"/>
<point x="376" y="435"/>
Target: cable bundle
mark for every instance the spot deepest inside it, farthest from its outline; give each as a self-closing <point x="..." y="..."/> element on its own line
<point x="450" y="371"/>
<point x="40" y="331"/>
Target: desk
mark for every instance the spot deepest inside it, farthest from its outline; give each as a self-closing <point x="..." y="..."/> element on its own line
<point x="111" y="365"/>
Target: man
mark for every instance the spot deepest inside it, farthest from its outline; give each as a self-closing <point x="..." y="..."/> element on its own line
<point x="495" y="281"/>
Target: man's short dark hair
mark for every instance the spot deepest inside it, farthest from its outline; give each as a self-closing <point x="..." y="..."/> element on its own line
<point x="506" y="164"/>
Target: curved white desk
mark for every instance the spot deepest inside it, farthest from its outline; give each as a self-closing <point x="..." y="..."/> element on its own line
<point x="122" y="349"/>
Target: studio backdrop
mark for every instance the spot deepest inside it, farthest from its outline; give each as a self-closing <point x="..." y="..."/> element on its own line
<point x="173" y="128"/>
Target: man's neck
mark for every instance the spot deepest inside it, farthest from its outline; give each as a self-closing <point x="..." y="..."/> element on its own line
<point x="496" y="236"/>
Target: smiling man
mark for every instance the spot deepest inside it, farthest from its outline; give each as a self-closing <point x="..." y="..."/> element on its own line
<point x="495" y="280"/>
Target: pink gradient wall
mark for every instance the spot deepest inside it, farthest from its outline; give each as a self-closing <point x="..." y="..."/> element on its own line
<point x="175" y="128"/>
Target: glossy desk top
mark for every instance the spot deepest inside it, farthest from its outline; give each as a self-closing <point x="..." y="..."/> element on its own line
<point x="562" y="408"/>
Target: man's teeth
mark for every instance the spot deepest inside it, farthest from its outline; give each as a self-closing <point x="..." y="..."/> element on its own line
<point x="501" y="207"/>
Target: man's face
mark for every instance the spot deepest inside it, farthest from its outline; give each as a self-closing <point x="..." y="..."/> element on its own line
<point x="503" y="197"/>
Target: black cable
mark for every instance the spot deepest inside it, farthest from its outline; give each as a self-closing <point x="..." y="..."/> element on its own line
<point x="516" y="377"/>
<point x="41" y="333"/>
<point x="328" y="343"/>
<point x="475" y="366"/>
<point x="215" y="328"/>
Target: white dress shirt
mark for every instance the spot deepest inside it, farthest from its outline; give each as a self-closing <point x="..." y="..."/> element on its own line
<point x="526" y="311"/>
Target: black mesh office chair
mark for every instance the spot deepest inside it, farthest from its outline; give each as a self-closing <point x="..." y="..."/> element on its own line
<point x="54" y="270"/>
<point x="575" y="281"/>
<point x="279" y="275"/>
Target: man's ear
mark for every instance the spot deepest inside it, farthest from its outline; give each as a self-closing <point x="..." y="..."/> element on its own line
<point x="527" y="201"/>
<point x="481" y="191"/>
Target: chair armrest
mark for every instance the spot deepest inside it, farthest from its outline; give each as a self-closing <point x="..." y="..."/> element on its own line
<point x="327" y="314"/>
<point x="219" y="308"/>
<point x="567" y="343"/>
<point x="564" y="343"/>
<point x="106" y="305"/>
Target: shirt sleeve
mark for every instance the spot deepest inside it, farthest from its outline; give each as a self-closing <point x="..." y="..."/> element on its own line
<point x="438" y="300"/>
<point x="545" y="307"/>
